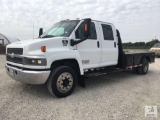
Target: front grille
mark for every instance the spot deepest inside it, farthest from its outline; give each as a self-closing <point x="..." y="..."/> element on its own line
<point x="15" y="59"/>
<point x="16" y="52"/>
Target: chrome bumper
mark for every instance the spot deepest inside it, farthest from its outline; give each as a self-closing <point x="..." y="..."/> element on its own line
<point x="26" y="76"/>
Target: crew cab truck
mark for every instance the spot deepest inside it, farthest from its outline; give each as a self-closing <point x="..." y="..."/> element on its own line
<point x="69" y="51"/>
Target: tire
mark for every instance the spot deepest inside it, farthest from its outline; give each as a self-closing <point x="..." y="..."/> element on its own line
<point x="144" y="68"/>
<point x="62" y="81"/>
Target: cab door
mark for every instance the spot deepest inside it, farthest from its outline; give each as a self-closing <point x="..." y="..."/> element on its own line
<point x="109" y="48"/>
<point x="89" y="49"/>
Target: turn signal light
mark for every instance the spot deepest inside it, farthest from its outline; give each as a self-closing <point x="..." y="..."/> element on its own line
<point x="43" y="48"/>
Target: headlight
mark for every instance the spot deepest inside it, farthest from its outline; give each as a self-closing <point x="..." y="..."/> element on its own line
<point x="34" y="61"/>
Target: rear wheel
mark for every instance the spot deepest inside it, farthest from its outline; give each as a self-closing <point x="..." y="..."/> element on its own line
<point x="62" y="81"/>
<point x="144" y="68"/>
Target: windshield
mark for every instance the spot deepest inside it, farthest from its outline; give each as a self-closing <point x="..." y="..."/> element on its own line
<point x="157" y="45"/>
<point x="61" y="29"/>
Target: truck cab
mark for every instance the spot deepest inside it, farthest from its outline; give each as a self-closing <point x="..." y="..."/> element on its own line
<point x="66" y="52"/>
<point x="101" y="43"/>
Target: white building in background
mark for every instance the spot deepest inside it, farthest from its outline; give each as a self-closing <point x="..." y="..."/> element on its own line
<point x="5" y="40"/>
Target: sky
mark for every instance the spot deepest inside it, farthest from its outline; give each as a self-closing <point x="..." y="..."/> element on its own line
<point x="137" y="20"/>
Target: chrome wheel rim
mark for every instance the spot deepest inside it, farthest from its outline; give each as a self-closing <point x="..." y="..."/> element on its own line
<point x="64" y="82"/>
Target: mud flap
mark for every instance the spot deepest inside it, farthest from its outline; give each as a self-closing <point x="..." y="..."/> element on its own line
<point x="81" y="81"/>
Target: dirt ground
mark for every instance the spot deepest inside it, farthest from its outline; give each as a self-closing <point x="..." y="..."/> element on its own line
<point x="119" y="95"/>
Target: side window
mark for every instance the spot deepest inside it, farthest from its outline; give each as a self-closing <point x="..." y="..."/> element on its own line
<point x="80" y="33"/>
<point x="107" y="32"/>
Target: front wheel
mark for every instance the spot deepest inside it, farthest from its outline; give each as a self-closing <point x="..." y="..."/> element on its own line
<point x="62" y="81"/>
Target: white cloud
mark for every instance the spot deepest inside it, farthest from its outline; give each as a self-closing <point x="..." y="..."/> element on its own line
<point x="137" y="20"/>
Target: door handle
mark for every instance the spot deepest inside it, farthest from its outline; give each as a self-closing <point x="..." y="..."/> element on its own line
<point x="98" y="44"/>
<point x="114" y="44"/>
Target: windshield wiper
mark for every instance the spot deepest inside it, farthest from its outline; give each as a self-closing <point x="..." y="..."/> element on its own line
<point x="48" y="36"/>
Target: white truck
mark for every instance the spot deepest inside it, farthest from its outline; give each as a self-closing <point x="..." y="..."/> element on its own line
<point x="69" y="51"/>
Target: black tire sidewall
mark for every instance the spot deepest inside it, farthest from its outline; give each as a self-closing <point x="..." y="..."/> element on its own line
<point x="141" y="69"/>
<point x="53" y="80"/>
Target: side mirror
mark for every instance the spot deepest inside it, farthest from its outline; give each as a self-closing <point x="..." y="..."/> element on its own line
<point x="87" y="30"/>
<point x="40" y="31"/>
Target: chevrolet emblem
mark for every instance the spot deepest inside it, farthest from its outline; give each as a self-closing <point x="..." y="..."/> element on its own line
<point x="12" y="55"/>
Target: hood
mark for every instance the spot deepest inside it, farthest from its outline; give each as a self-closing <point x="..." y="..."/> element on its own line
<point x="33" y="46"/>
<point x="32" y="41"/>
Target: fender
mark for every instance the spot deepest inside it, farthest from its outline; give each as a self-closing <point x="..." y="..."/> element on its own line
<point x="145" y="56"/>
<point x="61" y="55"/>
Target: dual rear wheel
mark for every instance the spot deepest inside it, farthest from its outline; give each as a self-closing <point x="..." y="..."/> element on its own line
<point x="142" y="69"/>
